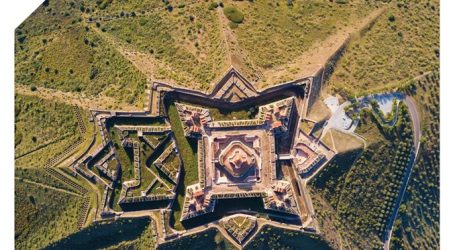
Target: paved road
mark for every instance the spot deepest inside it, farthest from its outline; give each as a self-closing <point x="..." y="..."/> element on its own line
<point x="409" y="101"/>
<point x="337" y="121"/>
<point x="412" y="107"/>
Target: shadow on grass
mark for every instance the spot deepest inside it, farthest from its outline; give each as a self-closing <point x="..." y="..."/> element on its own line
<point x="103" y="234"/>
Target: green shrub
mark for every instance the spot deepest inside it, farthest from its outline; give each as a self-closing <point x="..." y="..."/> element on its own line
<point x="233" y="14"/>
<point x="391" y="18"/>
<point x="213" y="5"/>
<point x="341" y="1"/>
<point x="103" y="4"/>
<point x="233" y="25"/>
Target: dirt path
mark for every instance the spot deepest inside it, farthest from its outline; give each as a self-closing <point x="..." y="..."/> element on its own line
<point x="316" y="57"/>
<point x="102" y="102"/>
<point x="237" y="57"/>
<point x="49" y="187"/>
<point x="42" y="146"/>
<point x="145" y="63"/>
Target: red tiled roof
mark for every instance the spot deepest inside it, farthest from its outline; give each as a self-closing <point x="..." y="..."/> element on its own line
<point x="198" y="193"/>
<point x="277" y="124"/>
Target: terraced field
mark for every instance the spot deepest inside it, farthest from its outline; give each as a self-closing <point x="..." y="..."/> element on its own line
<point x="43" y="129"/>
<point x="41" y="176"/>
<point x="40" y="122"/>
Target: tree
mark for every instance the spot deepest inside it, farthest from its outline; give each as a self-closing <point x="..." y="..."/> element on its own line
<point x="233" y="14"/>
<point x="392" y="18"/>
<point x="93" y="73"/>
<point x="213" y="5"/>
<point x="31" y="199"/>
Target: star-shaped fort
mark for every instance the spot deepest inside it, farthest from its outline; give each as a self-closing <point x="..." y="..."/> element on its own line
<point x="234" y="159"/>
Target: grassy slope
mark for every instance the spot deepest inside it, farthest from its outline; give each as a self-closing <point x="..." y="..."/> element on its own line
<point x="275" y="238"/>
<point x="144" y="241"/>
<point x="319" y="111"/>
<point x="42" y="215"/>
<point x="40" y="176"/>
<point x="39" y="123"/>
<point x="417" y="225"/>
<point x="274" y="33"/>
<point x="104" y="234"/>
<point x="328" y="180"/>
<point x="345" y="142"/>
<point x="68" y="57"/>
<point x="402" y="44"/>
<point x="178" y="41"/>
<point x="116" y="7"/>
<point x="43" y="120"/>
<point x="155" y="170"/>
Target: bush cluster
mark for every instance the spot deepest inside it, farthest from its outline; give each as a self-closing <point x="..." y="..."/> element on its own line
<point x="233" y="14"/>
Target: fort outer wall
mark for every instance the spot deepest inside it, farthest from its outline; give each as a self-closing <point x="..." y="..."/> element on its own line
<point x="296" y="88"/>
<point x="323" y="74"/>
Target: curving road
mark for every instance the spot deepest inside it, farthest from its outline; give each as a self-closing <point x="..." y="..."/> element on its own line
<point x="409" y="101"/>
<point x="414" y="114"/>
